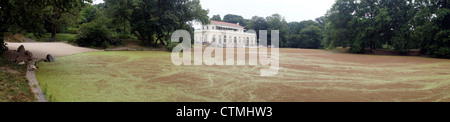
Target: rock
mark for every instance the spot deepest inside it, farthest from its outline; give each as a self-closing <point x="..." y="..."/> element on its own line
<point x="50" y="58"/>
<point x="29" y="54"/>
<point x="17" y="59"/>
<point x="22" y="63"/>
<point x="33" y="68"/>
<point x="21" y="49"/>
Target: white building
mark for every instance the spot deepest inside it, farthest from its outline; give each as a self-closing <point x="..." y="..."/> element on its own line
<point x="222" y="34"/>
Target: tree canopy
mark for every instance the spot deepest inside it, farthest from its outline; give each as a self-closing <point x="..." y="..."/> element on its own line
<point x="216" y="18"/>
<point x="153" y="20"/>
<point x="406" y="25"/>
<point x="15" y="16"/>
<point x="231" y="18"/>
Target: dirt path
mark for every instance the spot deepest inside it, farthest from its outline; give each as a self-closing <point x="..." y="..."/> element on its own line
<point x="57" y="49"/>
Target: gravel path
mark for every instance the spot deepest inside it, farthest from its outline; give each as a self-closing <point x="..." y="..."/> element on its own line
<point x="56" y="49"/>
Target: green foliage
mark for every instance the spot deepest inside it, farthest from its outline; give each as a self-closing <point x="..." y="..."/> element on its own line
<point x="47" y="37"/>
<point x="291" y="35"/>
<point x="305" y="34"/>
<point x="402" y="25"/>
<point x="61" y="13"/>
<point x="231" y="18"/>
<point x="216" y="18"/>
<point x="87" y="14"/>
<point x="156" y="20"/>
<point x="15" y="17"/>
<point x="311" y="37"/>
<point x="72" y="30"/>
<point x="171" y="46"/>
<point x="96" y="34"/>
<point x="257" y="23"/>
<point x="277" y="22"/>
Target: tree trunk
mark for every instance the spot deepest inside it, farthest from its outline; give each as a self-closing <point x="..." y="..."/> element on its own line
<point x="164" y="43"/>
<point x="156" y="42"/>
<point x="150" y="40"/>
<point x="2" y="42"/>
<point x="54" y="26"/>
<point x="124" y="26"/>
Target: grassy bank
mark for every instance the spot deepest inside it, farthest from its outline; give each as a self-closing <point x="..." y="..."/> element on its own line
<point x="13" y="83"/>
<point x="59" y="37"/>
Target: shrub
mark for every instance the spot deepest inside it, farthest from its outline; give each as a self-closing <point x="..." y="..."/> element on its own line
<point x="171" y="46"/>
<point x="3" y="46"/>
<point x="95" y="34"/>
<point x="72" y="30"/>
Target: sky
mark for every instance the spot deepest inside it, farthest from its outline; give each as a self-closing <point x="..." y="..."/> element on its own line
<point x="292" y="10"/>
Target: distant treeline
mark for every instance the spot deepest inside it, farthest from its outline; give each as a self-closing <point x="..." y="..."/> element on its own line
<point x="365" y="25"/>
<point x="362" y="25"/>
<point x="403" y="24"/>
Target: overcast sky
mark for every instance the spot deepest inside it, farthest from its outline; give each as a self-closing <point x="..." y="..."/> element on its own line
<point x="292" y="10"/>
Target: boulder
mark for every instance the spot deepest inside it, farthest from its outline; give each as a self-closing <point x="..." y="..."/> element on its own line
<point x="29" y="54"/>
<point x="50" y="58"/>
<point x="17" y="59"/>
<point x="21" y="49"/>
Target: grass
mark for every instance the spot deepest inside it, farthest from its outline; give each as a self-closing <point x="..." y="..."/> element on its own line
<point x="61" y="80"/>
<point x="59" y="37"/>
<point x="304" y="76"/>
<point x="13" y="83"/>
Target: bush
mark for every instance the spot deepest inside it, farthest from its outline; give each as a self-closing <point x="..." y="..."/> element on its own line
<point x="72" y="30"/>
<point x="171" y="46"/>
<point x="95" y="34"/>
<point x="3" y="46"/>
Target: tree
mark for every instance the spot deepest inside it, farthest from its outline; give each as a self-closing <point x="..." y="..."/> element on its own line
<point x="120" y="11"/>
<point x="405" y="25"/>
<point x="432" y="27"/>
<point x="321" y="20"/>
<point x="311" y="37"/>
<point x="257" y="23"/>
<point x="338" y="30"/>
<point x="59" y="12"/>
<point x="87" y="15"/>
<point x="156" y="19"/>
<point x="277" y="22"/>
<point x="231" y="18"/>
<point x="216" y="18"/>
<point x="294" y="39"/>
<point x="96" y="34"/>
<point x="20" y="15"/>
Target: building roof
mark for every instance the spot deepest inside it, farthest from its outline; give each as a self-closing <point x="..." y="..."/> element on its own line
<point x="226" y="24"/>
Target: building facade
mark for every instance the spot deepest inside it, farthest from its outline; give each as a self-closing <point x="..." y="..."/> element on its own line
<point x="222" y="34"/>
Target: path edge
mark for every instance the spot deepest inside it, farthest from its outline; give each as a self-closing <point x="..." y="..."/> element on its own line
<point x="34" y="84"/>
